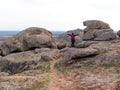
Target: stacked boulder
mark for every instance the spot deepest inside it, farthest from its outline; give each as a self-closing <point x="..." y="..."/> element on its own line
<point x="98" y="30"/>
<point x="28" y="39"/>
<point x="63" y="40"/>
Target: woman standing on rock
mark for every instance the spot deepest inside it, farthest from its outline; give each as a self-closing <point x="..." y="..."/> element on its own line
<point x="72" y="38"/>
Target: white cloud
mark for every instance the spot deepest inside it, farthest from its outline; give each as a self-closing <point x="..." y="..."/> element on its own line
<point x="57" y="14"/>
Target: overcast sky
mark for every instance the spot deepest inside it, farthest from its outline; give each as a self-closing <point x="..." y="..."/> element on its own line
<point x="57" y="14"/>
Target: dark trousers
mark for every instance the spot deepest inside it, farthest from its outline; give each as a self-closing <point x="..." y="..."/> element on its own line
<point x="72" y="43"/>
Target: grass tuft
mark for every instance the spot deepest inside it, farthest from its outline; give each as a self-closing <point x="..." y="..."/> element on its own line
<point x="62" y="67"/>
<point x="110" y="64"/>
<point x="39" y="84"/>
<point x="44" y="67"/>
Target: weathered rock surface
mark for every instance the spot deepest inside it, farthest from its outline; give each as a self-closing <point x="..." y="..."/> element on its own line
<point x="63" y="40"/>
<point x="96" y="24"/>
<point x="118" y="33"/>
<point x="97" y="83"/>
<point x="75" y="53"/>
<point x="89" y="76"/>
<point x="93" y="65"/>
<point x="104" y="35"/>
<point x="98" y="30"/>
<point x="22" y="61"/>
<point x="85" y="44"/>
<point x="30" y="38"/>
<point x="108" y="51"/>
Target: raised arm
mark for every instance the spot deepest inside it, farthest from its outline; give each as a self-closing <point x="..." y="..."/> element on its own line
<point x="69" y="34"/>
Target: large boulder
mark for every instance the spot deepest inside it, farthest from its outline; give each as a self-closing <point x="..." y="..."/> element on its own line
<point x="27" y="39"/>
<point x="27" y="60"/>
<point x="85" y="44"/>
<point x="96" y="24"/>
<point x="89" y="34"/>
<point x="63" y="40"/>
<point x="98" y="30"/>
<point x="104" y="35"/>
<point x="109" y="51"/>
<point x="75" y="53"/>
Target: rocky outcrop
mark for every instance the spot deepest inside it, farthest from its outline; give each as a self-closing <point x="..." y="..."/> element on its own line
<point x="118" y="33"/>
<point x="96" y="83"/>
<point x="108" y="51"/>
<point x="96" y="24"/>
<point x="30" y="38"/>
<point x="3" y="65"/>
<point x="63" y="40"/>
<point x="98" y="30"/>
<point x="93" y="65"/>
<point x="75" y="53"/>
<point x="85" y="44"/>
<point x="28" y="60"/>
<point x="104" y="35"/>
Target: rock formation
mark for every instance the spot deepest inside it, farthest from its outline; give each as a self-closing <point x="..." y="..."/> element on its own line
<point x="63" y="40"/>
<point x="27" y="39"/>
<point x="96" y="24"/>
<point x="27" y="60"/>
<point x="98" y="30"/>
<point x="76" y="53"/>
<point x="31" y="61"/>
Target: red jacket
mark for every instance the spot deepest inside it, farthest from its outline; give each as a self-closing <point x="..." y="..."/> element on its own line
<point x="72" y="37"/>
